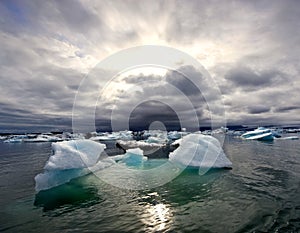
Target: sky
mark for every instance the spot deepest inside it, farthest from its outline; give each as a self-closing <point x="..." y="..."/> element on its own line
<point x="249" y="48"/>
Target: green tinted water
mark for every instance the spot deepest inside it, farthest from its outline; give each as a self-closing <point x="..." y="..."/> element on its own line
<point x="260" y="193"/>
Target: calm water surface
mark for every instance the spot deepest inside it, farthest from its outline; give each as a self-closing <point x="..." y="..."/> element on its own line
<point x="260" y="194"/>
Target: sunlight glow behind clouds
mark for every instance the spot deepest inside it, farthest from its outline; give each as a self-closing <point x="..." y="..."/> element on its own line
<point x="48" y="47"/>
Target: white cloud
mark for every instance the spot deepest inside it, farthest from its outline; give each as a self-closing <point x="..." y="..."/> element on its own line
<point x="47" y="48"/>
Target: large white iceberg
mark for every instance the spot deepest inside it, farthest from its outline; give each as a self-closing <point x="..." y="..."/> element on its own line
<point x="71" y="159"/>
<point x="202" y="151"/>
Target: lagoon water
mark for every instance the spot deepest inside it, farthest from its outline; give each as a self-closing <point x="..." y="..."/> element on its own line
<point x="260" y="194"/>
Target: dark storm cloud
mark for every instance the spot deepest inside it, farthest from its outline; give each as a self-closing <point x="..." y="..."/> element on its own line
<point x="287" y="109"/>
<point x="245" y="77"/>
<point x="183" y="83"/>
<point x="15" y="120"/>
<point x="45" y="88"/>
<point x="251" y="48"/>
<point x="258" y="109"/>
<point x="150" y="111"/>
<point x="9" y="111"/>
<point x="159" y="97"/>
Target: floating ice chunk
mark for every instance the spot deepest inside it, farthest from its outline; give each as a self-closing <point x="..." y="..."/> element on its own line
<point x="134" y="157"/>
<point x="290" y="138"/>
<point x="174" y="135"/>
<point x="260" y="133"/>
<point x="157" y="140"/>
<point x="74" y="154"/>
<point x="125" y="135"/>
<point x="135" y="144"/>
<point x="201" y="151"/>
<point x="151" y="150"/>
<point x="71" y="159"/>
<point x="16" y="139"/>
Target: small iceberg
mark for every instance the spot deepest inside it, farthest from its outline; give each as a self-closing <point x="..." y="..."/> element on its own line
<point x="261" y="133"/>
<point x="122" y="135"/>
<point x="134" y="157"/>
<point x="290" y="138"/>
<point x="151" y="150"/>
<point x="174" y="135"/>
<point x="137" y="144"/>
<point x="104" y="138"/>
<point x="201" y="151"/>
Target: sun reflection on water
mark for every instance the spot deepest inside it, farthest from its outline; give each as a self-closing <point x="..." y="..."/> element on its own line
<point x="157" y="217"/>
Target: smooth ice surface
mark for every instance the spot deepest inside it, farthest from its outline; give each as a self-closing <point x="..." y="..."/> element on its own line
<point x="201" y="151"/>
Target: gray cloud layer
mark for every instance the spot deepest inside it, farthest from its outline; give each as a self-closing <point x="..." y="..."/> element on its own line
<point x="251" y="48"/>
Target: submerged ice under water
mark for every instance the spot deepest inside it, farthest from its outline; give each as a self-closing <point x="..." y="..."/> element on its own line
<point x="77" y="158"/>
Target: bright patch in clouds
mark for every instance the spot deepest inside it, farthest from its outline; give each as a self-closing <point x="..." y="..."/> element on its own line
<point x="250" y="48"/>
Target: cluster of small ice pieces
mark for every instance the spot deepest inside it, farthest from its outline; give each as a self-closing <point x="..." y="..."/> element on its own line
<point x="66" y="136"/>
<point x="44" y="137"/>
<point x="148" y="136"/>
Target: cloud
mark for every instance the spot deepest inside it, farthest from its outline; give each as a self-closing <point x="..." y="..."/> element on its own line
<point x="150" y="111"/>
<point x="184" y="83"/>
<point x="258" y="109"/>
<point x="286" y="109"/>
<point x="142" y="98"/>
<point x="251" y="49"/>
<point x="76" y="16"/>
<point x="245" y="77"/>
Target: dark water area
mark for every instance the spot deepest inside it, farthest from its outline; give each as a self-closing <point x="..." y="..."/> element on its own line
<point x="260" y="194"/>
